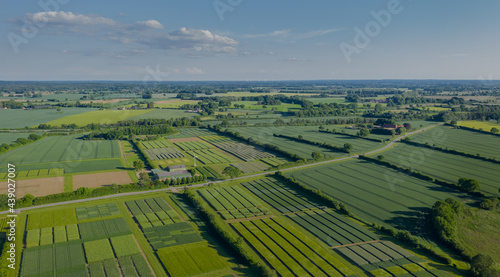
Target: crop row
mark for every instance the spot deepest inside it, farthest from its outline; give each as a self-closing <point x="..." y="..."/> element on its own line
<point x="274" y="161"/>
<point x="104" y="229"/>
<point x="155" y="144"/>
<point x="170" y="235"/>
<point x="230" y="198"/>
<point x="279" y="196"/>
<point x="35" y="173"/>
<point x="191" y="259"/>
<point x="210" y="156"/>
<point x="250" y="167"/>
<point x="192" y="145"/>
<point x="243" y="151"/>
<point x="51" y="218"/>
<point x="216" y="139"/>
<point x="149" y="205"/>
<point x="332" y="228"/>
<point x="163" y="153"/>
<point x="288" y="251"/>
<point x="51" y="235"/>
<point x="149" y="220"/>
<point x="97" y="211"/>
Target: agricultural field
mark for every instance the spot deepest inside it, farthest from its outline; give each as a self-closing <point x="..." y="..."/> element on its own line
<point x="174" y="103"/>
<point x="73" y="167"/>
<point x="155" y="144"/>
<point x="28" y="174"/>
<point x="171" y="234"/>
<point x="23" y="118"/>
<point x="210" y="156"/>
<point x="63" y="148"/>
<point x="163" y="153"/>
<point x="162" y="114"/>
<point x="485" y="125"/>
<point x="152" y="212"/>
<point x="191" y="259"/>
<point x="36" y="187"/>
<point x="460" y="140"/>
<point x="385" y="258"/>
<point x="250" y="167"/>
<point x="446" y="167"/>
<point x="216" y="139"/>
<point x="243" y="151"/>
<point x="97" y="117"/>
<point x="233" y="203"/>
<point x="191" y="132"/>
<point x="95" y="180"/>
<point x="288" y="251"/>
<point x="274" y="161"/>
<point x="11" y="137"/>
<point x="377" y="194"/>
<point x="103" y="210"/>
<point x="192" y="145"/>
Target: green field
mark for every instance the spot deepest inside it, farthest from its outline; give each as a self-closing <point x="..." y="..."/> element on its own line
<point x="163" y="153"/>
<point x="233" y="203"/>
<point x="155" y="144"/>
<point x="152" y="212"/>
<point x="97" y="117"/>
<point x="171" y="235"/>
<point x="161" y="114"/>
<point x="193" y="145"/>
<point x="103" y="210"/>
<point x="460" y="140"/>
<point x="446" y="167"/>
<point x="288" y="251"/>
<point x="62" y="148"/>
<point x="244" y="151"/>
<point x="23" y="118"/>
<point x="210" y="156"/>
<point x="191" y="132"/>
<point x="73" y="167"/>
<point x="485" y="125"/>
<point x="375" y="193"/>
<point x="10" y="137"/>
<point x="250" y="167"/>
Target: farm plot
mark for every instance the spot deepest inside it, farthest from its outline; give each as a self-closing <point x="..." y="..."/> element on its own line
<point x="210" y="156"/>
<point x="332" y="228"/>
<point x="365" y="189"/>
<point x="288" y="251"/>
<point x="104" y="268"/>
<point x="63" y="148"/>
<point x="72" y="167"/>
<point x="97" y="211"/>
<point x="65" y="259"/>
<point x="383" y="256"/>
<point x="279" y="196"/>
<point x="191" y="259"/>
<point x="97" y="117"/>
<point x="250" y="167"/>
<point x="243" y="151"/>
<point x="134" y="265"/>
<point x="163" y="153"/>
<point x="191" y="132"/>
<point x="36" y="187"/>
<point x="233" y="203"/>
<point x="192" y="145"/>
<point x="152" y="212"/>
<point x="104" y="229"/>
<point x="36" y="173"/>
<point x="216" y="139"/>
<point x="20" y="118"/>
<point x="51" y="218"/>
<point x="155" y="144"/>
<point x="274" y="161"/>
<point x="51" y="235"/>
<point x="460" y="140"/>
<point x="101" y="179"/>
<point x="446" y="167"/>
<point x="171" y="235"/>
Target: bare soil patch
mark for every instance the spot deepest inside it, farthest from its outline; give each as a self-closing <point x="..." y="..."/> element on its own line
<point x="101" y="179"/>
<point x="36" y="187"/>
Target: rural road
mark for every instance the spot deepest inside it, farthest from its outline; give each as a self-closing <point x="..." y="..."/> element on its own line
<point x="216" y="182"/>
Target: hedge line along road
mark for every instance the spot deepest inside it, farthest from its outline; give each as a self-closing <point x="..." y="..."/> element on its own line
<point x="216" y="182"/>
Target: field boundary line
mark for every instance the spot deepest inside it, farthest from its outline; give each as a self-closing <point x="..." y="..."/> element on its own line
<point x="250" y="218"/>
<point x="353" y="244"/>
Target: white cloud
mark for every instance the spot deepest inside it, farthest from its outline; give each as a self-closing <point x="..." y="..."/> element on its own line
<point x="277" y="33"/>
<point x="142" y="32"/>
<point x="271" y="53"/>
<point x="317" y="33"/>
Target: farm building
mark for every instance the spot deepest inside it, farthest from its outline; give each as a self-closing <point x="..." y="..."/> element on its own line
<point x="178" y="167"/>
<point x="162" y="175"/>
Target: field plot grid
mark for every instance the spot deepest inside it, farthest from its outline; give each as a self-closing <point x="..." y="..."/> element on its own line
<point x="250" y="167"/>
<point x="163" y="153"/>
<point x="192" y="145"/>
<point x="152" y="212"/>
<point x="234" y="203"/>
<point x="274" y="161"/>
<point x="216" y="139"/>
<point x="103" y="210"/>
<point x="288" y="251"/>
<point x="243" y="151"/>
<point x="192" y="132"/>
<point x="171" y="235"/>
<point x="210" y="156"/>
<point x="155" y="144"/>
<point x="385" y="257"/>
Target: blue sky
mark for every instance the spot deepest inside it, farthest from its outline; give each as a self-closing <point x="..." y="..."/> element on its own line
<point x="249" y="40"/>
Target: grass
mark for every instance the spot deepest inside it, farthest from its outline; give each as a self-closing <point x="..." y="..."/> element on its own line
<point x="162" y="114"/>
<point x="446" y="167"/>
<point x="98" y="250"/>
<point x="74" y="167"/>
<point x="125" y="245"/>
<point x="9" y="138"/>
<point x="477" y="231"/>
<point x="375" y="193"/>
<point x="62" y="148"/>
<point x="51" y="218"/>
<point x="23" y="118"/>
<point x="97" y="117"/>
<point x="485" y="125"/>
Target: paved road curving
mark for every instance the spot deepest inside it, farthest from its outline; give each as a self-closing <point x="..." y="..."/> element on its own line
<point x="216" y="182"/>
